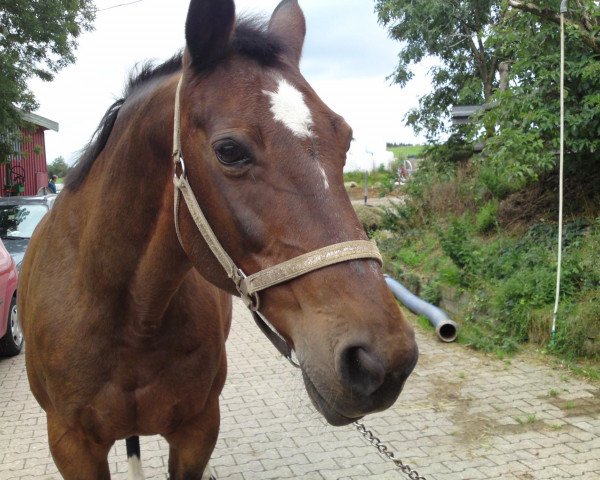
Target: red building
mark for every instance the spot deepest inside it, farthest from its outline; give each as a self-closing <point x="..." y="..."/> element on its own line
<point x="27" y="172"/>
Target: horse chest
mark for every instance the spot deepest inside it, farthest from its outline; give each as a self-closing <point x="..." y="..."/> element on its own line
<point x="172" y="388"/>
<point x="149" y="392"/>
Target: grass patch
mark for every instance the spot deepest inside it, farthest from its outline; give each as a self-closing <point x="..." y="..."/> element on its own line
<point x="380" y="176"/>
<point x="585" y="369"/>
<point x="425" y="324"/>
<point x="407" y="151"/>
<point x="410" y="257"/>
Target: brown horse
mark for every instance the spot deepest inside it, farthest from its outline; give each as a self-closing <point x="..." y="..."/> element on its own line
<point x="126" y="316"/>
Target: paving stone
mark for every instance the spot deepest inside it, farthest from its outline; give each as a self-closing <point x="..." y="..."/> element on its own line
<point x="462" y="415"/>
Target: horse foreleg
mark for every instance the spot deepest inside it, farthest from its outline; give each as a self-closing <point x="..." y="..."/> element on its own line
<point x="192" y="444"/>
<point x="76" y="457"/>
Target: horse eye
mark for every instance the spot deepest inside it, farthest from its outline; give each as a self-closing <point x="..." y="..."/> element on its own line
<point x="231" y="153"/>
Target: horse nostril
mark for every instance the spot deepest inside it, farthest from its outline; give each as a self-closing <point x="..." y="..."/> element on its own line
<point x="360" y="370"/>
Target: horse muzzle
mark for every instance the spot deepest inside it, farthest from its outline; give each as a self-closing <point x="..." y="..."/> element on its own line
<point x="363" y="383"/>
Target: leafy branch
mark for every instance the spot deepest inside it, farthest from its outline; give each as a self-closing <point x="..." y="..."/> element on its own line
<point x="587" y="24"/>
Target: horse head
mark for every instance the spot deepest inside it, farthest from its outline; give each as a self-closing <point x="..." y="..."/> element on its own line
<point x="264" y="157"/>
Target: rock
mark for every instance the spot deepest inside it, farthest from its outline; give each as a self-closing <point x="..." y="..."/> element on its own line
<point x="371" y="218"/>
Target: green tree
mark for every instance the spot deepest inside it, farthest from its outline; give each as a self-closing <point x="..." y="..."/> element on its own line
<point x="37" y="39"/>
<point x="58" y="167"/>
<point x="584" y="17"/>
<point x="454" y="32"/>
<point x="527" y="114"/>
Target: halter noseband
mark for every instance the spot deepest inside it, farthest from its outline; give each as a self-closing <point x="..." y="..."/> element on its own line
<point x="249" y="286"/>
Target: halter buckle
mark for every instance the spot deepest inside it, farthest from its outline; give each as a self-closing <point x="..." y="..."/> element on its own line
<point x="251" y="300"/>
<point x="178" y="161"/>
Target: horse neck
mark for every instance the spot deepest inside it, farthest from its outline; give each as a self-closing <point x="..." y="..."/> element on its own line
<point x="161" y="269"/>
<point x="134" y="228"/>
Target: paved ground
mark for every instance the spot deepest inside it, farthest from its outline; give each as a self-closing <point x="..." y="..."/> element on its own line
<point x="462" y="416"/>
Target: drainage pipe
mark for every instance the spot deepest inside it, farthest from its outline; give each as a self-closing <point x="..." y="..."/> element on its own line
<point x="446" y="329"/>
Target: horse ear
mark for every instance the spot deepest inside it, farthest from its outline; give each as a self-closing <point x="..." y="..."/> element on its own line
<point x="289" y="25"/>
<point x="209" y="28"/>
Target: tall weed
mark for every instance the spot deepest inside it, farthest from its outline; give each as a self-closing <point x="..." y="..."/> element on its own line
<point x="456" y="242"/>
<point x="486" y="220"/>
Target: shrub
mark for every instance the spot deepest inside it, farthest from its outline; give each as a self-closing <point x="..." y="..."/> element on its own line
<point x="432" y="292"/>
<point x="455" y="149"/>
<point x="402" y="217"/>
<point x="486" y="220"/>
<point x="388" y="184"/>
<point x="450" y="274"/>
<point x="578" y="327"/>
<point x="509" y="277"/>
<point x="456" y="242"/>
<point x="411" y="281"/>
<point x="518" y="296"/>
<point x="495" y="181"/>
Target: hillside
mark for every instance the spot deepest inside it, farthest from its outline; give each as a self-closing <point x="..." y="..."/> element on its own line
<point x="488" y="254"/>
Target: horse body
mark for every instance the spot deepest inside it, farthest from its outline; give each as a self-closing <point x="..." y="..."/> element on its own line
<point x="118" y="337"/>
<point x="126" y="324"/>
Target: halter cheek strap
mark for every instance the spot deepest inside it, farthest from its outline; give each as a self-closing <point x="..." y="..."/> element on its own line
<point x="249" y="286"/>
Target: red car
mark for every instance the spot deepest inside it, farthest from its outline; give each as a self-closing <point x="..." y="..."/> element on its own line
<point x="11" y="334"/>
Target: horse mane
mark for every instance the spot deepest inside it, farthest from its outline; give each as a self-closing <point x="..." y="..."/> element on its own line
<point x="251" y="39"/>
<point x="138" y="76"/>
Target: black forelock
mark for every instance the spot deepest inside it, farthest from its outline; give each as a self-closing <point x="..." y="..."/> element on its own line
<point x="253" y="39"/>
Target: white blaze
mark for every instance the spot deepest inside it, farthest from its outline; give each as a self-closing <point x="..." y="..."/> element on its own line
<point x="288" y="107"/>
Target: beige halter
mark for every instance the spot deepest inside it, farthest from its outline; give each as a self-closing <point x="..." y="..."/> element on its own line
<point x="249" y="286"/>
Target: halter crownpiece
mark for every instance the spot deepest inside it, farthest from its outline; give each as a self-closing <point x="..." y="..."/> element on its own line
<point x="249" y="286"/>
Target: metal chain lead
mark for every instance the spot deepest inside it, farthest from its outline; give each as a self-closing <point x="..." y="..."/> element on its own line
<point x="383" y="450"/>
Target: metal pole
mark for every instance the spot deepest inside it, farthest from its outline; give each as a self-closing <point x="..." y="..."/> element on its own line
<point x="366" y="185"/>
<point x="563" y="10"/>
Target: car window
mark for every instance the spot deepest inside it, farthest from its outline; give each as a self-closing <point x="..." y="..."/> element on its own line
<point x="19" y="221"/>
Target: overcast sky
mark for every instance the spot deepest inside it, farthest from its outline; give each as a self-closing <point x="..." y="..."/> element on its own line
<point x="347" y="57"/>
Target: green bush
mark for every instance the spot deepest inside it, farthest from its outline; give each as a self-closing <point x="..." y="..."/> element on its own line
<point x="517" y="296"/>
<point x="495" y="181"/>
<point x="456" y="242"/>
<point x="456" y="149"/>
<point x="401" y="217"/>
<point x="578" y="328"/>
<point x="486" y="220"/>
<point x="432" y="292"/>
<point x="450" y="274"/>
<point x="388" y="184"/>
